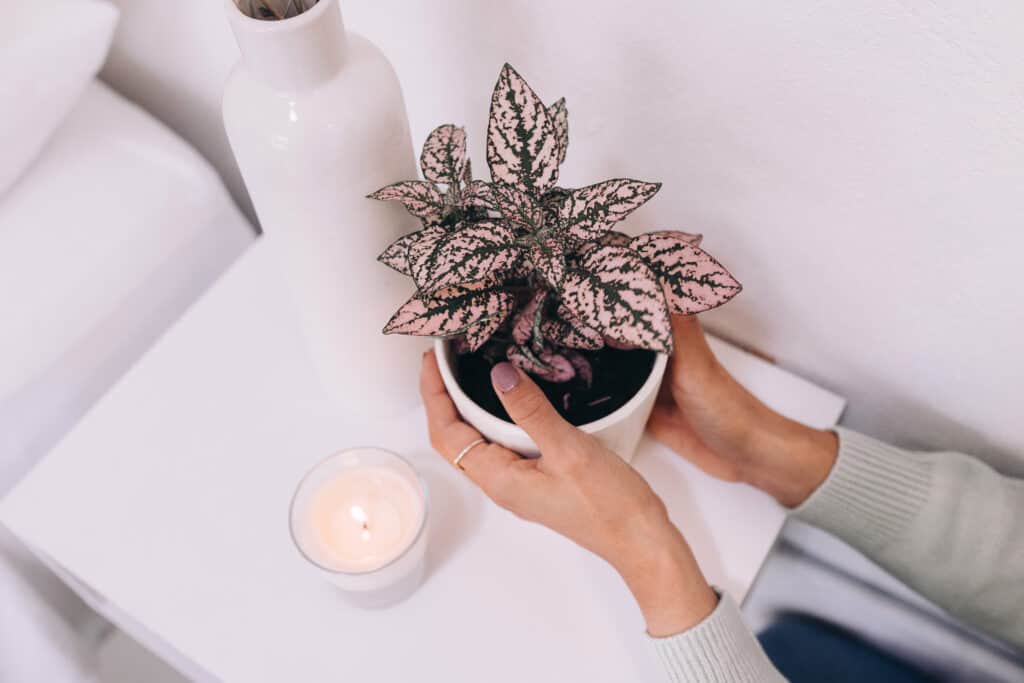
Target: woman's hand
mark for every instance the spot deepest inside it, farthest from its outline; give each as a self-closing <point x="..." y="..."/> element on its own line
<point x="579" y="489"/>
<point x="707" y="417"/>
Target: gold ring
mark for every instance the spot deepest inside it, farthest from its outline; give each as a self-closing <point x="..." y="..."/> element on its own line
<point x="462" y="454"/>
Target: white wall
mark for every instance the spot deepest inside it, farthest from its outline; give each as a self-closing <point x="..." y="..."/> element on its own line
<point x="859" y="166"/>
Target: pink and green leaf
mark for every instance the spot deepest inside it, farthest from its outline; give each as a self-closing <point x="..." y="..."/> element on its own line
<point x="522" y="148"/>
<point x="420" y="198"/>
<point x="584" y="370"/>
<point x="560" y="121"/>
<point x="525" y="321"/>
<point x="422" y="255"/>
<point x="693" y="239"/>
<point x="444" y="154"/>
<point x="565" y="328"/>
<point x="518" y="208"/>
<point x="693" y="280"/>
<point x="589" y="212"/>
<point x="455" y="313"/>
<point x="548" y="258"/>
<point x="612" y="238"/>
<point x="617" y="293"/>
<point x="397" y="253"/>
<point x="478" y="334"/>
<point x="477" y="193"/>
<point x="546" y="365"/>
<point x="471" y="254"/>
<point x="621" y="346"/>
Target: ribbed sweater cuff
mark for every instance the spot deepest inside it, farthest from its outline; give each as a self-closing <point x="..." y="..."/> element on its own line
<point x="873" y="493"/>
<point x="720" y="649"/>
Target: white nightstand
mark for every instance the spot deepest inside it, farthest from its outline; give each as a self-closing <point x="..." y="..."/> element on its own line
<point x="167" y="509"/>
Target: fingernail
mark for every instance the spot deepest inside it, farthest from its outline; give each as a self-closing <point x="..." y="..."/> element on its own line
<point x="505" y="377"/>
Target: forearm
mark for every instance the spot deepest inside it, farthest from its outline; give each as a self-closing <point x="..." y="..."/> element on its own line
<point x="944" y="523"/>
<point x="667" y="583"/>
<point x="791" y="461"/>
<point x="698" y="636"/>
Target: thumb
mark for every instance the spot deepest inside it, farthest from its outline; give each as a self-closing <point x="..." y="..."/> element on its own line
<point x="693" y="354"/>
<point x="529" y="407"/>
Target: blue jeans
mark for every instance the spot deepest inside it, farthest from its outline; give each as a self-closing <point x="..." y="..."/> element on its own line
<point x="806" y="650"/>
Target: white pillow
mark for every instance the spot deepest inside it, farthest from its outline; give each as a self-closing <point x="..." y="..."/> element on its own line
<point x="49" y="51"/>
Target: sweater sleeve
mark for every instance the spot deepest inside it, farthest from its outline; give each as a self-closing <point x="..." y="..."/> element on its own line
<point x="946" y="524"/>
<point x="720" y="649"/>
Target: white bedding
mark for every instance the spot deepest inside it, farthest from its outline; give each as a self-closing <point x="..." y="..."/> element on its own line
<point x="114" y="230"/>
<point x="117" y="227"/>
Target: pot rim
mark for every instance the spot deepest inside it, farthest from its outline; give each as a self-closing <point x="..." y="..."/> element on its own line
<point x="442" y="349"/>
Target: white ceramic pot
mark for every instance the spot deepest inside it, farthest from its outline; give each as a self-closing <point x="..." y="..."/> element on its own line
<point x="316" y="120"/>
<point x="620" y="431"/>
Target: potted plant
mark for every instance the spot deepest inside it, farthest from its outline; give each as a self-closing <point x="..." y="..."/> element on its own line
<point x="523" y="269"/>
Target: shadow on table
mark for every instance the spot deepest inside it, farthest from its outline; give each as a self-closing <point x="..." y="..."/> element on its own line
<point x="453" y="515"/>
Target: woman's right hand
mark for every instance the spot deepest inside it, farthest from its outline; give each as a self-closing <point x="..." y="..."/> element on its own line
<point x="579" y="489"/>
<point x="709" y="418"/>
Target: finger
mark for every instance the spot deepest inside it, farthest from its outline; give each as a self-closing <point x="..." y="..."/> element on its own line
<point x="435" y="396"/>
<point x="449" y="435"/>
<point x="529" y="407"/>
<point x="692" y="350"/>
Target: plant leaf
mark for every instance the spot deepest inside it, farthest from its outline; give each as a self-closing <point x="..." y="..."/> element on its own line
<point x="478" y="334"/>
<point x="454" y="313"/>
<point x="397" y="253"/>
<point x="523" y="323"/>
<point x="546" y="365"/>
<point x="518" y="208"/>
<point x="422" y="255"/>
<point x="478" y="193"/>
<point x="471" y="254"/>
<point x="548" y="258"/>
<point x="693" y="280"/>
<point x="584" y="370"/>
<point x="560" y="121"/>
<point x="552" y="201"/>
<point x="612" y="238"/>
<point x="589" y="212"/>
<point x="444" y="154"/>
<point x="617" y="293"/>
<point x="421" y="198"/>
<point x="690" y="238"/>
<point x="621" y="346"/>
<point x="564" y="328"/>
<point x="522" y="149"/>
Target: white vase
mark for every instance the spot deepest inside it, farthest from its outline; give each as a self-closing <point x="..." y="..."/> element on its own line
<point x="316" y="120"/>
<point x="620" y="432"/>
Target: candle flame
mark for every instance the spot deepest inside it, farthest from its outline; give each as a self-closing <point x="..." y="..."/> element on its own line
<point x="359" y="514"/>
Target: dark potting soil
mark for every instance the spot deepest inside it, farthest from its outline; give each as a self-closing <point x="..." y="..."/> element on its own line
<point x="618" y="375"/>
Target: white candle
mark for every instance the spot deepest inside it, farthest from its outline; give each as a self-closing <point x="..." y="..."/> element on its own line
<point x="360" y="517"/>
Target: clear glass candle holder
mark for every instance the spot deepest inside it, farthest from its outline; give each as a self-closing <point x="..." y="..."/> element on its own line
<point x="360" y="518"/>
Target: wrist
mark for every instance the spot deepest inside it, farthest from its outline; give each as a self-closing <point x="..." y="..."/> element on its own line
<point x="667" y="584"/>
<point x="792" y="460"/>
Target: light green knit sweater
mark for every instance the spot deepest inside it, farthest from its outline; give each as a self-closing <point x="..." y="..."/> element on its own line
<point x="944" y="523"/>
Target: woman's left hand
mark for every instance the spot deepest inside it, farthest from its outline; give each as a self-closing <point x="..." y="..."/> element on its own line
<point x="579" y="489"/>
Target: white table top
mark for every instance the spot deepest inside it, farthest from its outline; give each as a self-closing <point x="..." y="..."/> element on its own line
<point x="167" y="507"/>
